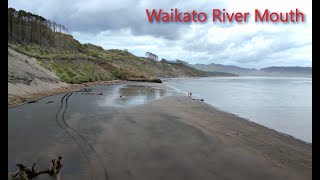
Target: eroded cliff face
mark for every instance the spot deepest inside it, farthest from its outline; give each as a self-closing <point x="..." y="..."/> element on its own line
<point x="26" y="76"/>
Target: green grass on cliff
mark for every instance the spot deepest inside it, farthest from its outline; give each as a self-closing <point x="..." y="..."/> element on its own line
<point x="74" y="62"/>
<point x="77" y="63"/>
<point x="77" y="71"/>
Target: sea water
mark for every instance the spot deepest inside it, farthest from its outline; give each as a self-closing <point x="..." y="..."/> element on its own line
<point x="280" y="103"/>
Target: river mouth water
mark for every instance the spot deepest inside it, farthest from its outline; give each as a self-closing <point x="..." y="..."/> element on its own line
<point x="280" y="103"/>
<point x="69" y="125"/>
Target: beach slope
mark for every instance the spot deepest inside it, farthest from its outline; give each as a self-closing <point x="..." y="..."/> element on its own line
<point x="181" y="138"/>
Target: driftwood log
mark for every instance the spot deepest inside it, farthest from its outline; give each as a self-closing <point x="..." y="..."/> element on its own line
<point x="27" y="173"/>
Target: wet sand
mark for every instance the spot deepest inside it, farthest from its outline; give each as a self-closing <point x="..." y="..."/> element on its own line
<point x="179" y="138"/>
<point x="19" y="99"/>
<point x="174" y="137"/>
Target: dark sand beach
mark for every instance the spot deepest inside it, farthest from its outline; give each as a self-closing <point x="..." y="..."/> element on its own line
<point x="150" y="133"/>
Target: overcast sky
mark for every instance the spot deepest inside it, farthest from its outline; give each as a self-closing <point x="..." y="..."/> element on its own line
<point x="123" y="24"/>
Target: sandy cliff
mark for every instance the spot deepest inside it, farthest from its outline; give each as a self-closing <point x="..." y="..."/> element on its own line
<point x="26" y="76"/>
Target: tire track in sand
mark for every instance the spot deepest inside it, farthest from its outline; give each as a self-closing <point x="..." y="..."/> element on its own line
<point x="97" y="168"/>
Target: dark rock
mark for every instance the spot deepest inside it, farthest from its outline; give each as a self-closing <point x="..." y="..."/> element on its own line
<point x="32" y="101"/>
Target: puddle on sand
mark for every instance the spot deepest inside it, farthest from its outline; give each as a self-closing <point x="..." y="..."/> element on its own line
<point x="129" y="95"/>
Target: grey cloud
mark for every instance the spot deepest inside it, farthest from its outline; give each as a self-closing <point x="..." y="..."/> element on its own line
<point x="108" y="15"/>
<point x="123" y="24"/>
<point x="100" y="17"/>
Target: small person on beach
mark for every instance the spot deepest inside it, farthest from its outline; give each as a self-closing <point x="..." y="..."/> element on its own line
<point x="189" y="94"/>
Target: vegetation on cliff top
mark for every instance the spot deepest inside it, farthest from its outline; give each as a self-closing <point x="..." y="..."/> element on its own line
<point x="74" y="62"/>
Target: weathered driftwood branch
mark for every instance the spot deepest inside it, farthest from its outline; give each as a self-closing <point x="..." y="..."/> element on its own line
<point x="27" y="173"/>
